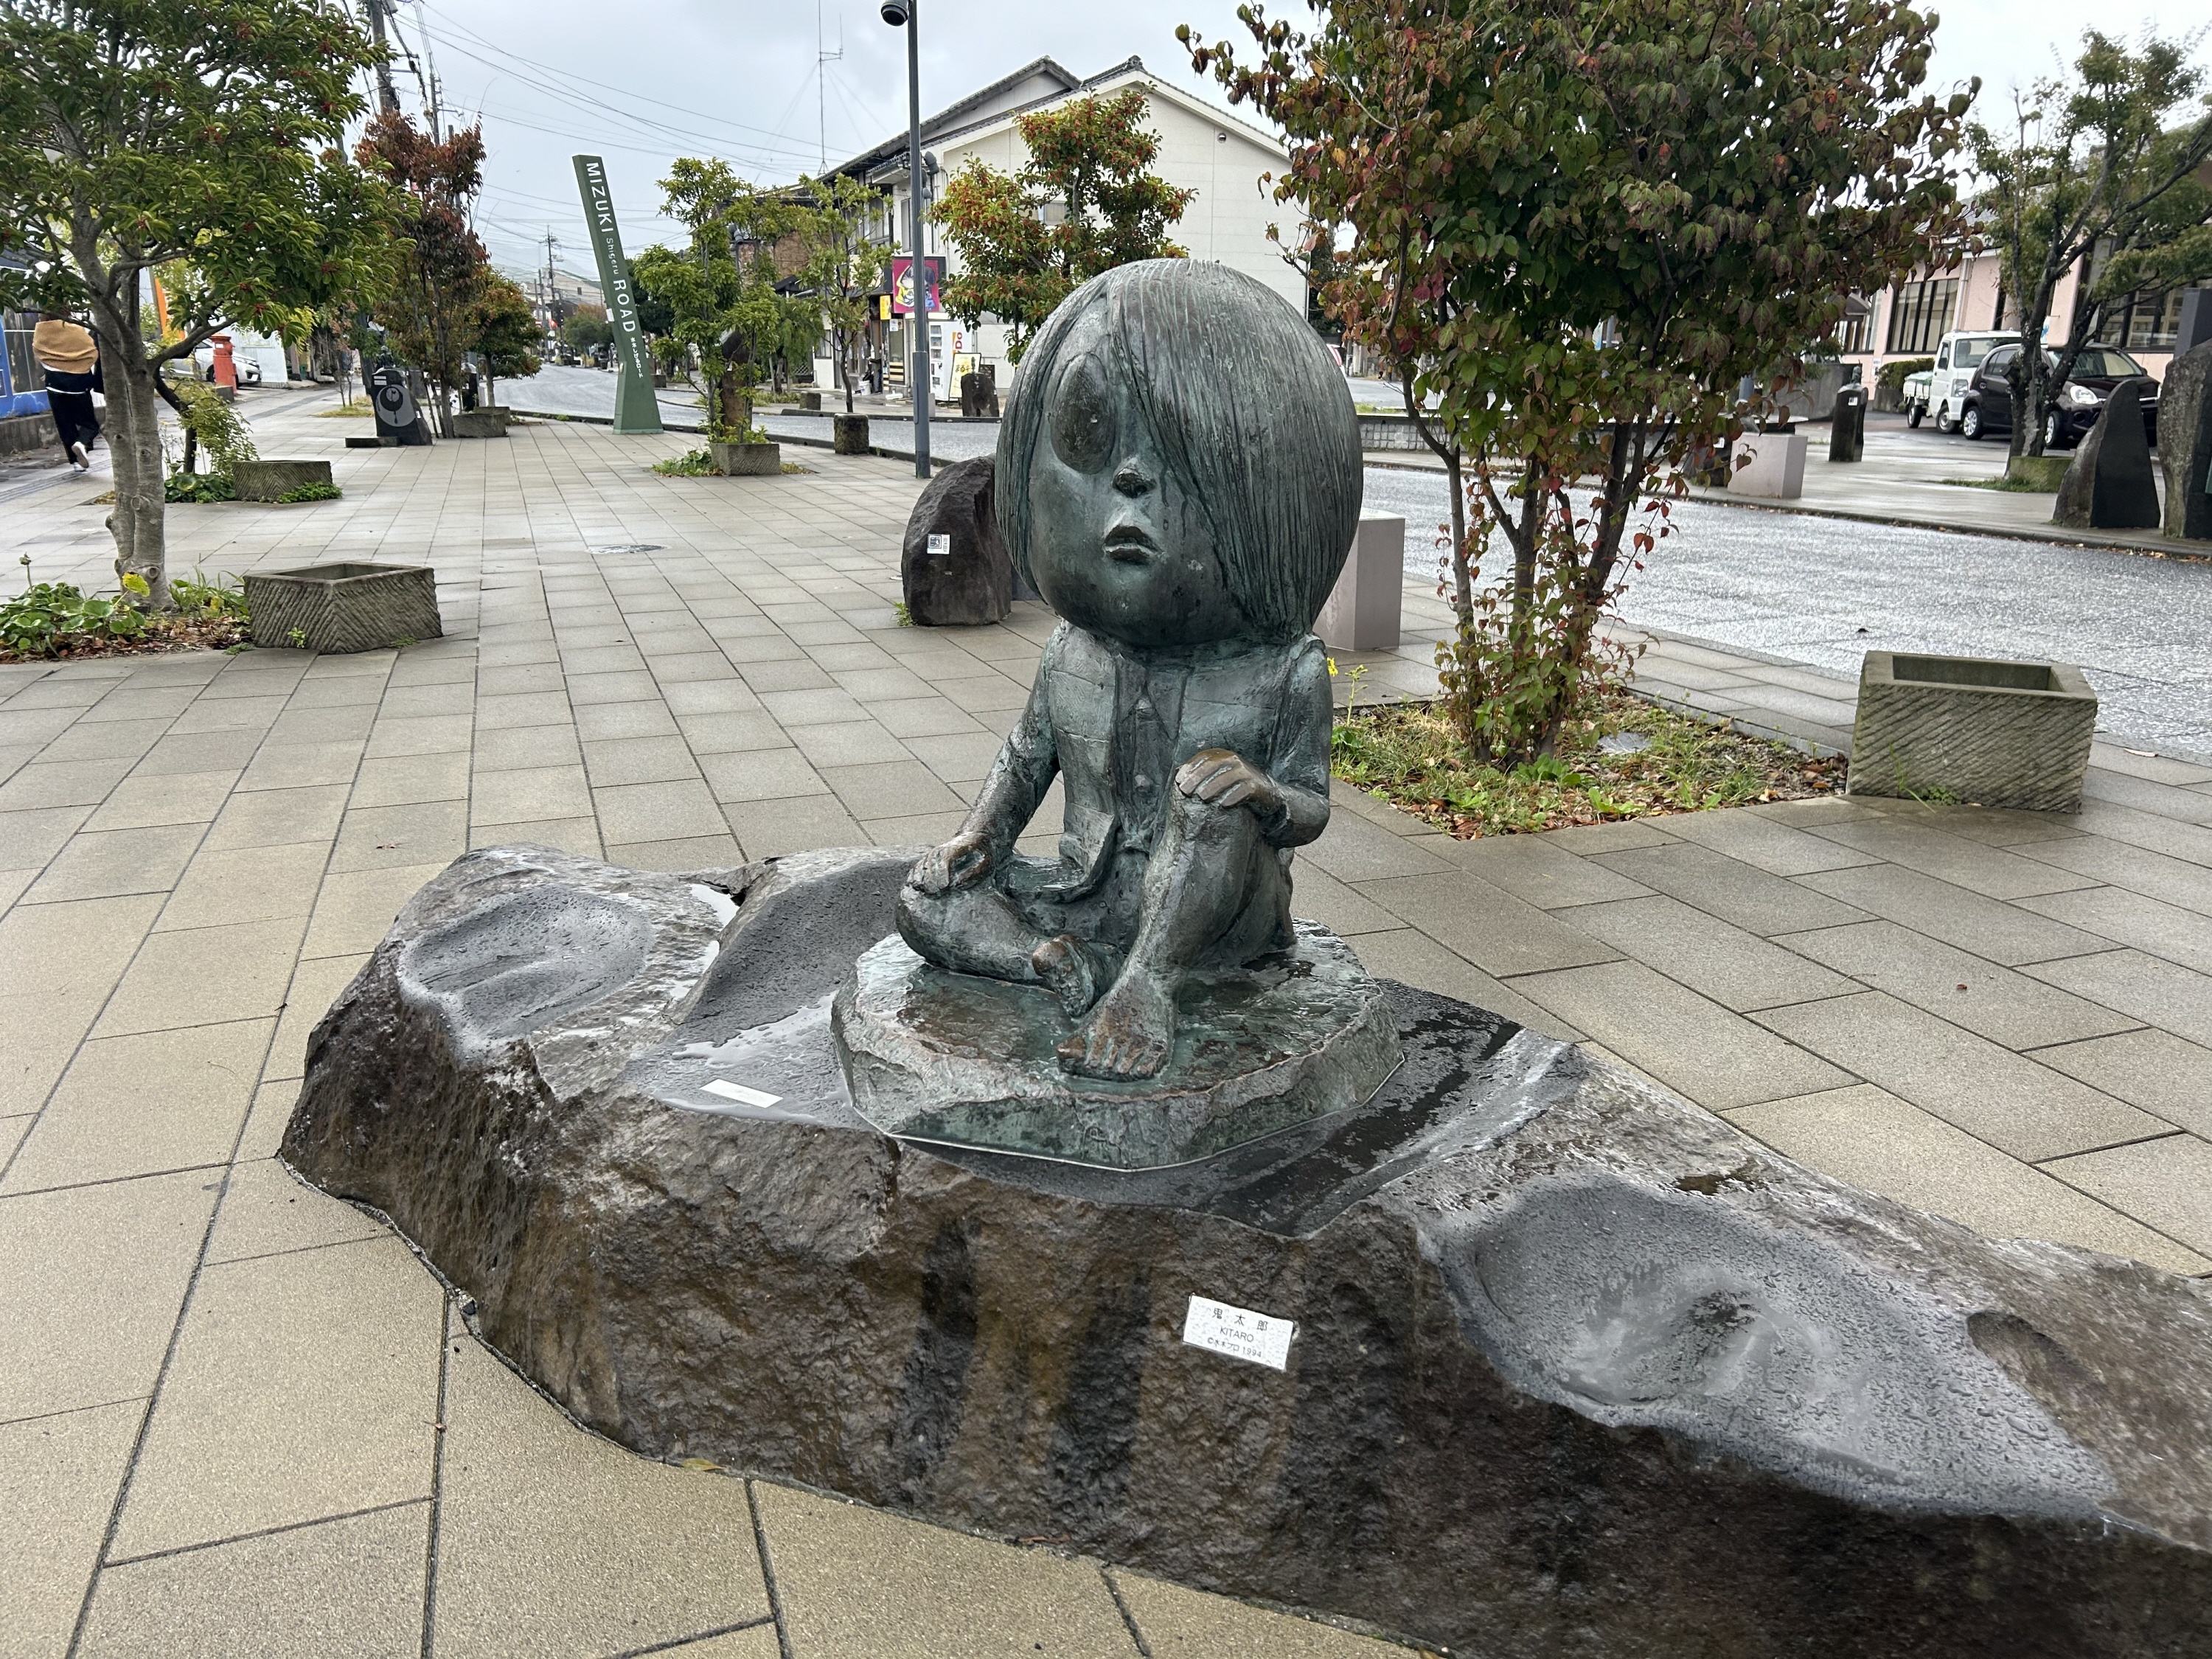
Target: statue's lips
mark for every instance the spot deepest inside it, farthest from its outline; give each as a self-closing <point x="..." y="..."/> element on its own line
<point x="1130" y="544"/>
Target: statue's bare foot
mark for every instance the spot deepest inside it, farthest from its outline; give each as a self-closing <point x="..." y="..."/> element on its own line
<point x="1073" y="972"/>
<point x="1130" y="1033"/>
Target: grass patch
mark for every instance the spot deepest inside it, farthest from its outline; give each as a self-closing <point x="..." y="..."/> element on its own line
<point x="793" y="466"/>
<point x="2004" y="481"/>
<point x="313" y="490"/>
<point x="53" y="621"/>
<point x="1408" y="755"/>
<point x="198" y="487"/>
<point x="692" y="464"/>
<point x="363" y="410"/>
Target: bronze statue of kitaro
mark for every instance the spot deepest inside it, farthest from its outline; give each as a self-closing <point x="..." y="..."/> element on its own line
<point x="1179" y="477"/>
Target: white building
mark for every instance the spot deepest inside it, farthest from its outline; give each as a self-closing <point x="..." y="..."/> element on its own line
<point x="1203" y="149"/>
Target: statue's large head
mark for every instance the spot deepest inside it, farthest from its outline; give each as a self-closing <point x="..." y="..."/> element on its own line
<point x="1179" y="460"/>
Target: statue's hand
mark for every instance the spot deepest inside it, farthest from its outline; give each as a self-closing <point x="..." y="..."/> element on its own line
<point x="961" y="862"/>
<point x="1220" y="777"/>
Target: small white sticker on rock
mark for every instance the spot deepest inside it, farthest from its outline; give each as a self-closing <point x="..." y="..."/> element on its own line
<point x="940" y="547"/>
<point x="739" y="1092"/>
<point x="1239" y="1333"/>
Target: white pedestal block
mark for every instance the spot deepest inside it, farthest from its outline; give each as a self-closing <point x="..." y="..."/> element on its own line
<point x="1364" y="608"/>
<point x="1770" y="464"/>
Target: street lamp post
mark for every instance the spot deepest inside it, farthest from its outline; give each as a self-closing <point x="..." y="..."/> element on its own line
<point x="899" y="14"/>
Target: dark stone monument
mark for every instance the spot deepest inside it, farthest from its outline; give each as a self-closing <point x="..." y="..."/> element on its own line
<point x="398" y="416"/>
<point x="979" y="392"/>
<point x="1094" y="1198"/>
<point x="1847" y="425"/>
<point x="2184" y="441"/>
<point x="848" y="434"/>
<point x="953" y="568"/>
<point x="1552" y="1363"/>
<point x="2109" y="485"/>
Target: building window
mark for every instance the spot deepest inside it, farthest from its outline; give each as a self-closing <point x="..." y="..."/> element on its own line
<point x="1855" y="334"/>
<point x="2149" y="322"/>
<point x="1920" y="315"/>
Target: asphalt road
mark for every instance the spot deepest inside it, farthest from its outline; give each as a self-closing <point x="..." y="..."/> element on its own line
<point x="1825" y="590"/>
<point x="1815" y="590"/>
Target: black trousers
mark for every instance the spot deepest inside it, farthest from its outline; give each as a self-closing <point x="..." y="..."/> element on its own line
<point x="70" y="398"/>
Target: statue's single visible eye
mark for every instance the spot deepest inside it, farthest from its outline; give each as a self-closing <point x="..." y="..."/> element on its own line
<point x="1083" y="416"/>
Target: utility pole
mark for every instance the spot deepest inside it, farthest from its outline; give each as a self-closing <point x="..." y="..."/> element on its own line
<point x="821" y="60"/>
<point x="387" y="101"/>
<point x="900" y="15"/>
<point x="552" y="322"/>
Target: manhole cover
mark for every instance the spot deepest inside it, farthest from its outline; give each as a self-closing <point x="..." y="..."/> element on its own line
<point x="631" y="547"/>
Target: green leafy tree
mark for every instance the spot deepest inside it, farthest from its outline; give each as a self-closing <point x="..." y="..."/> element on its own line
<point x="587" y="327"/>
<point x="502" y="330"/>
<point x="844" y="263"/>
<point x="445" y="273"/>
<point x="726" y="320"/>
<point x="1572" y="228"/>
<point x="2097" y="168"/>
<point x="203" y="131"/>
<point x="1083" y="203"/>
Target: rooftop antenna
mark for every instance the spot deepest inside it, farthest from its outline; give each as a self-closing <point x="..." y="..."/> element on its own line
<point x="822" y="81"/>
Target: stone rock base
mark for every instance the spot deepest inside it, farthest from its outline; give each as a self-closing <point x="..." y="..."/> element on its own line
<point x="1577" y="1370"/>
<point x="2109" y="484"/>
<point x="954" y="569"/>
<point x="935" y="1056"/>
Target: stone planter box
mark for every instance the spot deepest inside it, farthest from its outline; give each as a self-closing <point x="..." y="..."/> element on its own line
<point x="1365" y="609"/>
<point x="265" y="481"/>
<point x="1993" y="733"/>
<point x="487" y="422"/>
<point x="848" y="434"/>
<point x="810" y="402"/>
<point x="344" y="607"/>
<point x="1769" y="463"/>
<point x="747" y="460"/>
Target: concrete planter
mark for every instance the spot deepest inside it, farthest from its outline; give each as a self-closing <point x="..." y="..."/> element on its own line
<point x="1365" y="609"/>
<point x="1993" y="733"/>
<point x="487" y="422"/>
<point x="344" y="607"/>
<point x="1769" y="463"/>
<point x="747" y="460"/>
<point x="266" y="481"/>
<point x="848" y="434"/>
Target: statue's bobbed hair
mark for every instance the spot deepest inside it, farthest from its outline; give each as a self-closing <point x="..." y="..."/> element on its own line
<point x="1242" y="401"/>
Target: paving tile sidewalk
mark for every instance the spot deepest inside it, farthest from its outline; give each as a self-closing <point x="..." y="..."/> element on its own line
<point x="237" y="1412"/>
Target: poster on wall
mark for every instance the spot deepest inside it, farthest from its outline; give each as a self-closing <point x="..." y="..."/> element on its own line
<point x="901" y="295"/>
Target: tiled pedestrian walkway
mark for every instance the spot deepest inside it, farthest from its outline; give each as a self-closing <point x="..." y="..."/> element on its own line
<point x="238" y="1416"/>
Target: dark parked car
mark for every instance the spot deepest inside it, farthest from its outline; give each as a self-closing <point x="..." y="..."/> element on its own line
<point x="1988" y="405"/>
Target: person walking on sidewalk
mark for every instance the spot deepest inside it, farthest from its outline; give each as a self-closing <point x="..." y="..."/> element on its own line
<point x="70" y="357"/>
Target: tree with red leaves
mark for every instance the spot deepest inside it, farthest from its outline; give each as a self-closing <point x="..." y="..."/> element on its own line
<point x="445" y="275"/>
<point x="1573" y="229"/>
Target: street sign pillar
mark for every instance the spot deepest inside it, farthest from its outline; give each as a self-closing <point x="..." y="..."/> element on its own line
<point x="636" y="409"/>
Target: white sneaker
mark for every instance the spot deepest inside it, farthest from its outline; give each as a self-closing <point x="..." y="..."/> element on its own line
<point x="83" y="461"/>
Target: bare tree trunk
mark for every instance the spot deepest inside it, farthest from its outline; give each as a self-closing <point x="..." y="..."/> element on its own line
<point x="135" y="442"/>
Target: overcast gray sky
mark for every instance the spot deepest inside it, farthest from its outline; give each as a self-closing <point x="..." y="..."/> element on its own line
<point x="642" y="84"/>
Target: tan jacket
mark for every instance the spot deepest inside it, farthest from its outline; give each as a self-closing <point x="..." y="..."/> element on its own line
<point x="64" y="346"/>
